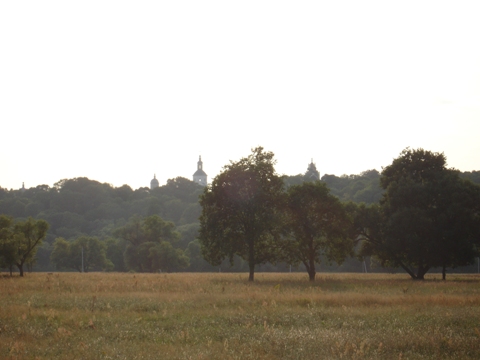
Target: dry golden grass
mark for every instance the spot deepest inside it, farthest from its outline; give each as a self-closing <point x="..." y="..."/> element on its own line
<point x="222" y="316"/>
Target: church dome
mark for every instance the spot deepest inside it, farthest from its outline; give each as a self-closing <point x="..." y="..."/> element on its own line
<point x="200" y="172"/>
<point x="154" y="183"/>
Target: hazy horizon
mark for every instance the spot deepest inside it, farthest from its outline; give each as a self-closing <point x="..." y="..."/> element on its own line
<point x="119" y="91"/>
<point x="210" y="178"/>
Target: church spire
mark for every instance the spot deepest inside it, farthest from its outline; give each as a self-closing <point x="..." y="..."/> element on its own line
<point x="200" y="177"/>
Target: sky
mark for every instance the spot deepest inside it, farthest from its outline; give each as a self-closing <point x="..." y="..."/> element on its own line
<point x="118" y="91"/>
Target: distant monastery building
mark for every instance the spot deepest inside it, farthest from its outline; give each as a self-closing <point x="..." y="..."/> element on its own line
<point x="154" y="183"/>
<point x="312" y="173"/>
<point x="200" y="177"/>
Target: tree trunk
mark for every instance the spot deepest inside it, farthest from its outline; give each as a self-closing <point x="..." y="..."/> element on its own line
<point x="11" y="270"/>
<point x="310" y="263"/>
<point x="409" y="272"/>
<point x="20" y="268"/>
<point x="444" y="273"/>
<point x="421" y="271"/>
<point x="311" y="268"/>
<point x="251" y="260"/>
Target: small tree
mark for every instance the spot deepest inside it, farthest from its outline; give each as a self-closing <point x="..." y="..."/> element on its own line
<point x="89" y="254"/>
<point x="28" y="235"/>
<point x="60" y="256"/>
<point x="149" y="243"/>
<point x="165" y="257"/>
<point x="84" y="254"/>
<point x="19" y="241"/>
<point x="241" y="212"/>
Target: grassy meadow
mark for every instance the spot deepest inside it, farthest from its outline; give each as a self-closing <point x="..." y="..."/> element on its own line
<point x="222" y="316"/>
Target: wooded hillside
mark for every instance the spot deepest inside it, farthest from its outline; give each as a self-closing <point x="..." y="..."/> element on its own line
<point x="83" y="207"/>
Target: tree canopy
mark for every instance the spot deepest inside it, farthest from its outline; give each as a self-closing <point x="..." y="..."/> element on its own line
<point x="85" y="254"/>
<point x="150" y="247"/>
<point x="19" y="241"/>
<point x="428" y="216"/>
<point x="81" y="207"/>
<point x="317" y="224"/>
<point x="241" y="212"/>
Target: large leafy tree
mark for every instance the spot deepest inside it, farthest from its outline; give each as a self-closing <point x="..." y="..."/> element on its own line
<point x="318" y="224"/>
<point x="240" y="211"/>
<point x="428" y="216"/>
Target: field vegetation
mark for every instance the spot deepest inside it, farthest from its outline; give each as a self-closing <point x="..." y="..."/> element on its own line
<point x="224" y="316"/>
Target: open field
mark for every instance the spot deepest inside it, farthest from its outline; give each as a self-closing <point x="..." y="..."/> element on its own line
<point x="222" y="316"/>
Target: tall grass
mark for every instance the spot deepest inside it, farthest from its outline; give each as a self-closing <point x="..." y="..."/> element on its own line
<point x="223" y="316"/>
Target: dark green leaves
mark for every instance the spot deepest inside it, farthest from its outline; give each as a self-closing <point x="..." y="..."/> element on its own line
<point x="241" y="212"/>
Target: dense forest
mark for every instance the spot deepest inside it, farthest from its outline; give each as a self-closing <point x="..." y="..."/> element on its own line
<point x="80" y="209"/>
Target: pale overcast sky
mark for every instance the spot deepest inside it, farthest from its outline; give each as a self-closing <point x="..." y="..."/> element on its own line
<point x="119" y="90"/>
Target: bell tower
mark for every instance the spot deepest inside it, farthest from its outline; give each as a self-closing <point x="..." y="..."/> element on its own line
<point x="200" y="177"/>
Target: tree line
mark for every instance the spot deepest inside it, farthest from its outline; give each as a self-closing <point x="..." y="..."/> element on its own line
<point x="94" y="226"/>
<point x="427" y="216"/>
<point x="88" y="217"/>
